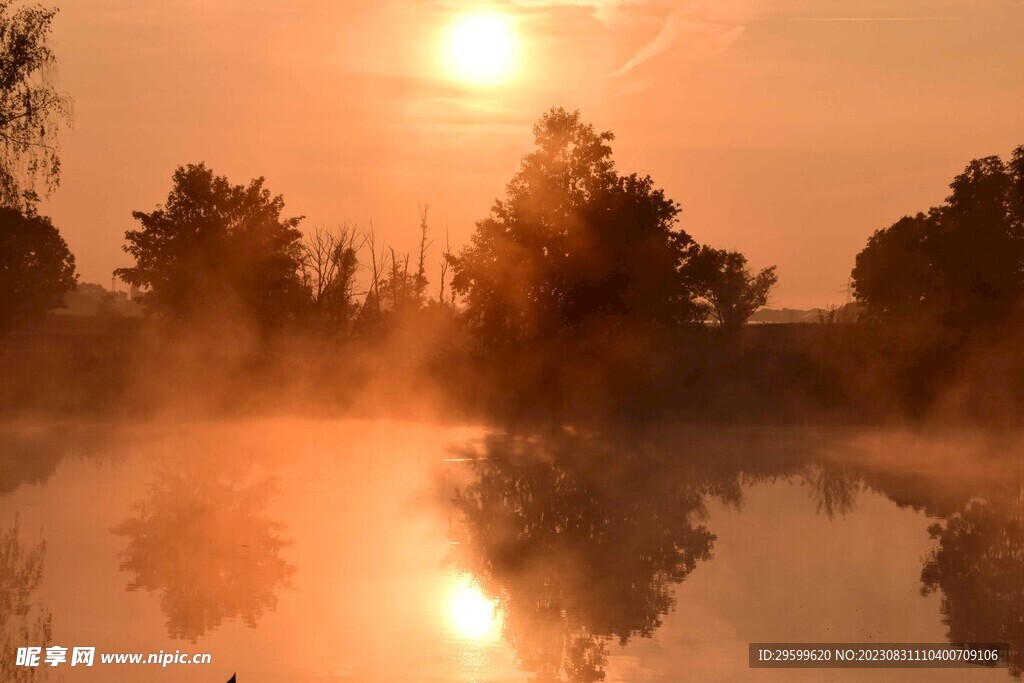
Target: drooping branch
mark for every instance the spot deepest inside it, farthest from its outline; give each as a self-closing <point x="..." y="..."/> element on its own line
<point x="32" y="110"/>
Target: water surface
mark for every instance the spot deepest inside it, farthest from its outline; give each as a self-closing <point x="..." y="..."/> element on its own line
<point x="318" y="550"/>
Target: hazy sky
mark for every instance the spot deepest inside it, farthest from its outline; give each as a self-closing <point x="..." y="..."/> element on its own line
<point x="787" y="129"/>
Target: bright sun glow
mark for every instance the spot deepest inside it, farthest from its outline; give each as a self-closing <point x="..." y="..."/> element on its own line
<point x="473" y="616"/>
<point x="480" y="48"/>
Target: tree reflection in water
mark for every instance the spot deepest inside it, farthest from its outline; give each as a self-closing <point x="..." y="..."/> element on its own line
<point x="206" y="545"/>
<point x="977" y="563"/>
<point x="979" y="568"/>
<point x="834" y="488"/>
<point x="582" y="537"/>
<point x="22" y="624"/>
<point x="32" y="452"/>
<point x="582" y="540"/>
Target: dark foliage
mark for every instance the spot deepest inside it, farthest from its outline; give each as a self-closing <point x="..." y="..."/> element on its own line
<point x="574" y="243"/>
<point x="218" y="247"/>
<point x="36" y="267"/>
<point x="962" y="263"/>
<point x="733" y="292"/>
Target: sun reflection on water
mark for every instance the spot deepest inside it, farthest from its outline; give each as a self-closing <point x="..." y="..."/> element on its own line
<point x="473" y="616"/>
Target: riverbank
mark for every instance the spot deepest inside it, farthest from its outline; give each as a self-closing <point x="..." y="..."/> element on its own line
<point x="787" y="373"/>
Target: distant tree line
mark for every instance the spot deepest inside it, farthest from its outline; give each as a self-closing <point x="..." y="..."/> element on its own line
<point x="574" y="284"/>
<point x="572" y="247"/>
<point x="215" y="248"/>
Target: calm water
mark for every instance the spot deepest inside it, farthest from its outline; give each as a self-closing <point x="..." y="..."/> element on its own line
<point x="385" y="551"/>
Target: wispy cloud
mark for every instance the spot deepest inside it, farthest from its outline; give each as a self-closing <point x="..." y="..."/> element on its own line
<point x="869" y="19"/>
<point x="700" y="28"/>
<point x="604" y="10"/>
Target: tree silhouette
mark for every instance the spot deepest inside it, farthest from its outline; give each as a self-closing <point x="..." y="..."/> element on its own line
<point x="960" y="264"/>
<point x="330" y="264"/>
<point x="395" y="291"/>
<point x="398" y="288"/>
<point x="573" y="242"/>
<point x="31" y="109"/>
<point x="893" y="272"/>
<point x="733" y="292"/>
<point x="421" y="281"/>
<point x="206" y="545"/>
<point x="36" y="267"/>
<point x="218" y="246"/>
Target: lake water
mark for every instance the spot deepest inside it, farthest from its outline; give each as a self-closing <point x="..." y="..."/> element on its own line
<point x="317" y="550"/>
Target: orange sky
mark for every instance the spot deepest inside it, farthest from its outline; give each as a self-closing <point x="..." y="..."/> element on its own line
<point x="787" y="129"/>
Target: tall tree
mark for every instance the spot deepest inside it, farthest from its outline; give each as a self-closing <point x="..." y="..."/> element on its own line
<point x="962" y="263"/>
<point x="36" y="267"/>
<point x="733" y="291"/>
<point x="398" y="289"/>
<point x="31" y="108"/>
<point x="421" y="269"/>
<point x="216" y="246"/>
<point x="574" y="242"/>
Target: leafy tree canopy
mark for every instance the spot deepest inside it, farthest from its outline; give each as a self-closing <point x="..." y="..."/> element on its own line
<point x="733" y="292"/>
<point x="218" y="245"/>
<point x="31" y="108"/>
<point x="961" y="263"/>
<point x="574" y="242"/>
<point x="36" y="267"/>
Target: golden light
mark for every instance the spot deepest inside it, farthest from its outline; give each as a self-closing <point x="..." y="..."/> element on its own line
<point x="481" y="48"/>
<point x="473" y="616"/>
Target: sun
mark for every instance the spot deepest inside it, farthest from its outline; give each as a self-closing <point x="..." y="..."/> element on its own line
<point x="480" y="48"/>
